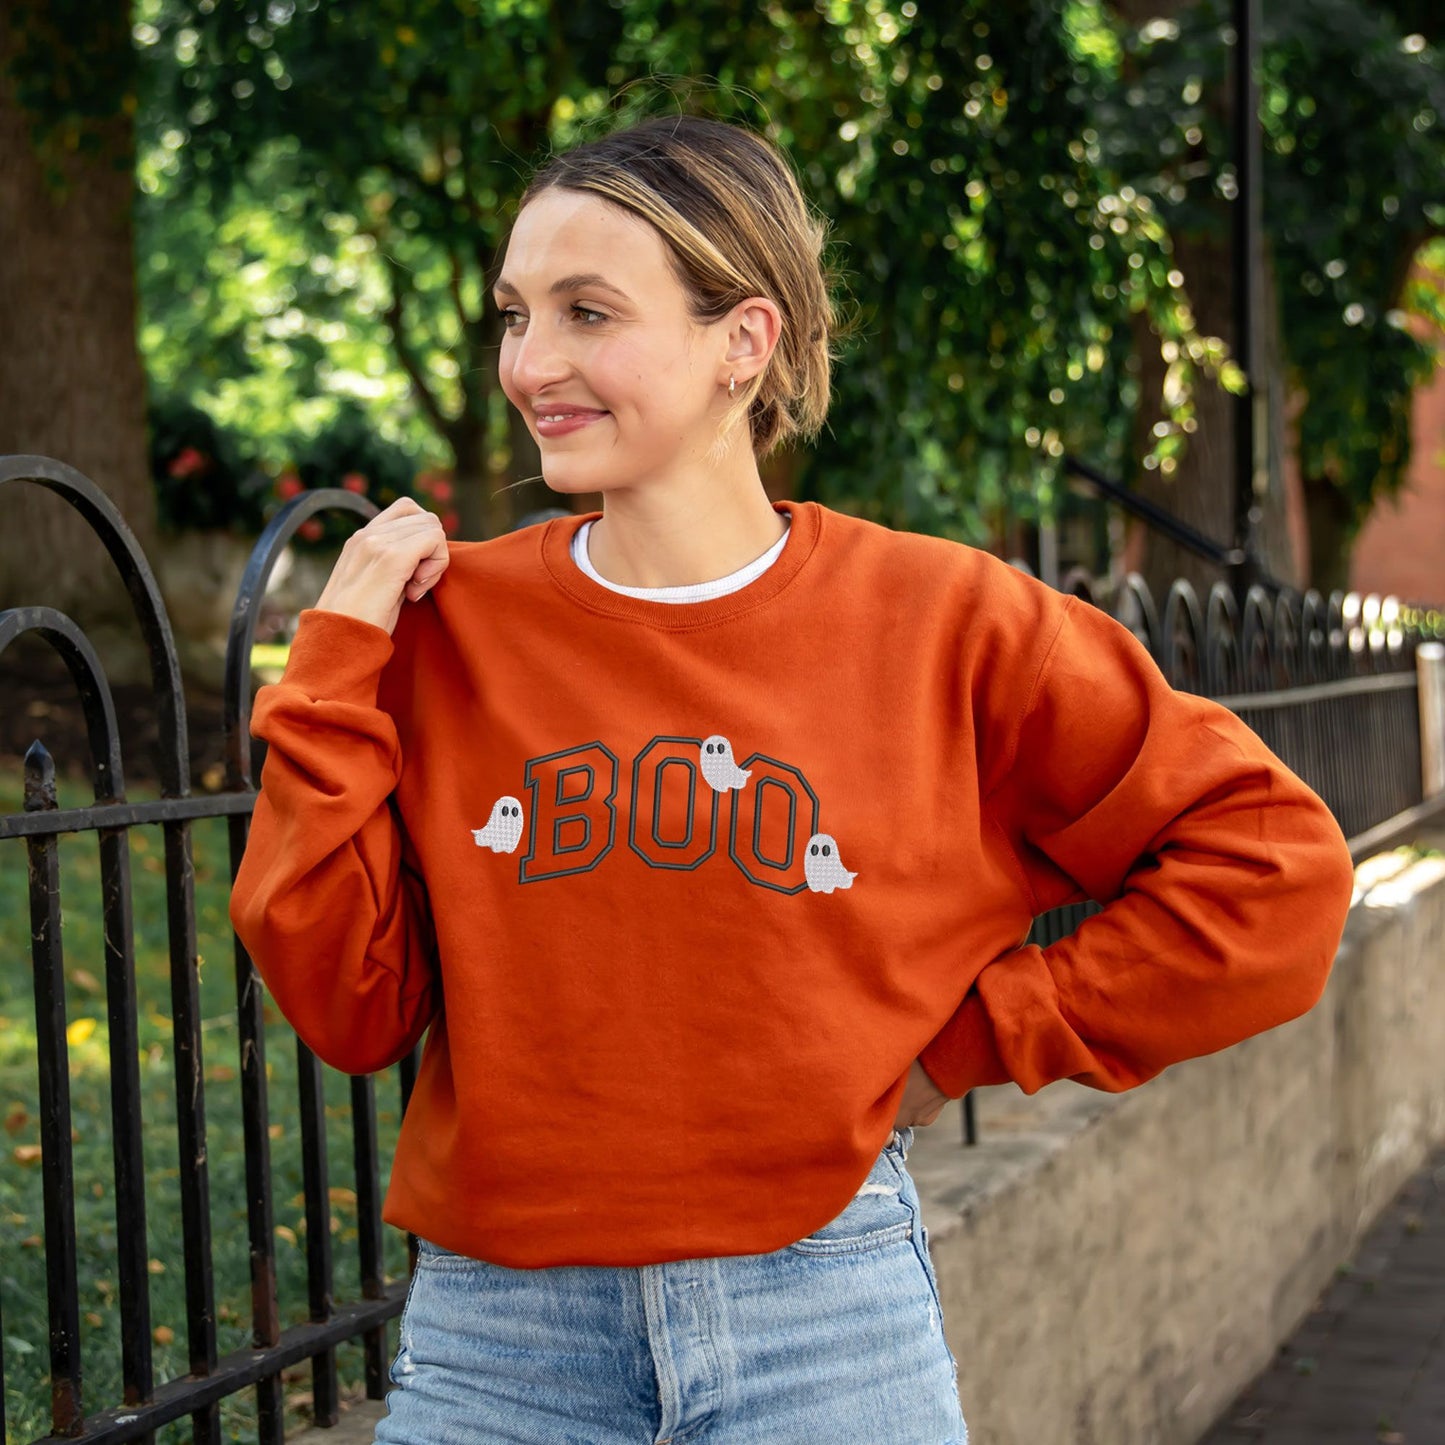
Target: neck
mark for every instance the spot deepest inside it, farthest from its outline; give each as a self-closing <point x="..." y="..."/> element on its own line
<point x="685" y="533"/>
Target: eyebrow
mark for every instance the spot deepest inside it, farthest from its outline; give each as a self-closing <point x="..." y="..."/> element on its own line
<point x="582" y="281"/>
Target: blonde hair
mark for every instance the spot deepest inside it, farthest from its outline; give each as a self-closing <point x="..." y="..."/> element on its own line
<point x="731" y="213"/>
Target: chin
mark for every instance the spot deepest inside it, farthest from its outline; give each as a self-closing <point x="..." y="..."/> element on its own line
<point x="572" y="481"/>
<point x="568" y="483"/>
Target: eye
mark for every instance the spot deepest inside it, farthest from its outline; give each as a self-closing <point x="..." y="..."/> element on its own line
<point x="709" y="747"/>
<point x="511" y="318"/>
<point x="827" y="851"/>
<point x="586" y="316"/>
<point x="814" y="850"/>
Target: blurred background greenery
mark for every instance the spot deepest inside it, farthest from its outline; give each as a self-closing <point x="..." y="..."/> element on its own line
<point x="1030" y="206"/>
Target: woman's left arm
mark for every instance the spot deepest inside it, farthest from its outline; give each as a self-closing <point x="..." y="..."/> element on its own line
<point x="1225" y="880"/>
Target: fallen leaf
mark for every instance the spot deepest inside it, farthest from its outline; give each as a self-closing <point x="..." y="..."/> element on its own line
<point x="27" y="1153"/>
<point x="163" y="1335"/>
<point x="277" y="1131"/>
<point x="93" y="1319"/>
<point x="17" y="1116"/>
<point x="79" y="1031"/>
<point x="156" y="1266"/>
<point x="342" y="1196"/>
<point x="284" y="1231"/>
<point x="84" y="980"/>
<point x="220" y="1074"/>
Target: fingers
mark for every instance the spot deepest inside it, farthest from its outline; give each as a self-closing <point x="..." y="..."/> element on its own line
<point x="400" y="554"/>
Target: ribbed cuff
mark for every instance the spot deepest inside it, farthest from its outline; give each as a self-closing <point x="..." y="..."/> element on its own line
<point x="336" y="658"/>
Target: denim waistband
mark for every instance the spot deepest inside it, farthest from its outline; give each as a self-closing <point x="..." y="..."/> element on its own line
<point x="900" y="1141"/>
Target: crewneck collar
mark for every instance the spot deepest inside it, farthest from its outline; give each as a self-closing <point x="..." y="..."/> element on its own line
<point x="802" y="538"/>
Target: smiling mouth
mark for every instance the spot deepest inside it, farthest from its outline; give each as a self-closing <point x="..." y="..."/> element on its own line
<point x="565" y="420"/>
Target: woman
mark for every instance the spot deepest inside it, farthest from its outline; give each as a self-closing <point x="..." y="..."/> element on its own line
<point x="701" y="837"/>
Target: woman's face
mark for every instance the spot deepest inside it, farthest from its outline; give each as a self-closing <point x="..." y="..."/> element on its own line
<point x="617" y="382"/>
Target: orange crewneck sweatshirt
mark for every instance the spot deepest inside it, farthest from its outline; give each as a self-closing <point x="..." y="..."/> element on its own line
<point x="678" y="893"/>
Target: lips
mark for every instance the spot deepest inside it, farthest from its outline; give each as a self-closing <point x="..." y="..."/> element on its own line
<point x="558" y="419"/>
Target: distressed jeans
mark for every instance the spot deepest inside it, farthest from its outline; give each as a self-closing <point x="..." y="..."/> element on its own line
<point x="834" y="1340"/>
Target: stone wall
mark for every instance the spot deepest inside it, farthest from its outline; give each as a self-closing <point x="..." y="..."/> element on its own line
<point x="1114" y="1269"/>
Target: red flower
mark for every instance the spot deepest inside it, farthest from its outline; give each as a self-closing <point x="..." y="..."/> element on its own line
<point x="311" y="529"/>
<point x="186" y="463"/>
<point x="289" y="485"/>
<point x="450" y="523"/>
<point x="354" y="482"/>
<point x="435" y="485"/>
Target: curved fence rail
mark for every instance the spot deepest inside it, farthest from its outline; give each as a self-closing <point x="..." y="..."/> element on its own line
<point x="1329" y="683"/>
<point x="146" y="1407"/>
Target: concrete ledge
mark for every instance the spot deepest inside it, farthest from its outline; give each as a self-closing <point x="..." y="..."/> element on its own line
<point x="1114" y="1269"/>
<point x="356" y="1426"/>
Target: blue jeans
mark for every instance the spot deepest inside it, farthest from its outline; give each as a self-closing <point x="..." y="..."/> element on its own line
<point x="834" y="1340"/>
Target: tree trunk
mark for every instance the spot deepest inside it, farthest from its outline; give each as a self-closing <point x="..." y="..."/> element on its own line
<point x="525" y="491"/>
<point x="1201" y="491"/>
<point x="1332" y="534"/>
<point x="468" y="440"/>
<point x="71" y="383"/>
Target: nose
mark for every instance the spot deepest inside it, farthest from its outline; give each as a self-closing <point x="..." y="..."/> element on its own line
<point x="537" y="359"/>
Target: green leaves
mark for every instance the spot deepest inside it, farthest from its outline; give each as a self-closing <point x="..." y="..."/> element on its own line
<point x="325" y="189"/>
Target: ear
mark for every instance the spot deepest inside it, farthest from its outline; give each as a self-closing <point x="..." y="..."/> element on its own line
<point x="753" y="328"/>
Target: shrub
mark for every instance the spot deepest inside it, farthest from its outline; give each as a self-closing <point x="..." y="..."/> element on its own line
<point x="349" y="454"/>
<point x="204" y="478"/>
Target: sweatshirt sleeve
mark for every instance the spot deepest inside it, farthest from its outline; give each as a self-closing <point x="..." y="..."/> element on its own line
<point x="1225" y="881"/>
<point x="327" y="900"/>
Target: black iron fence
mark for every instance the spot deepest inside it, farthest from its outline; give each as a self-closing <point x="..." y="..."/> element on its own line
<point x="1329" y="683"/>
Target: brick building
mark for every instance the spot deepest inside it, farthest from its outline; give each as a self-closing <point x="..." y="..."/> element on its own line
<point x="1402" y="547"/>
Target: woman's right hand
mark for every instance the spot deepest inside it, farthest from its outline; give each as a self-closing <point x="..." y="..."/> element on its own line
<point x="398" y="555"/>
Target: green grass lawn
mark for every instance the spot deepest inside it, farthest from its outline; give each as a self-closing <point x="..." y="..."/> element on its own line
<point x="23" y="1319"/>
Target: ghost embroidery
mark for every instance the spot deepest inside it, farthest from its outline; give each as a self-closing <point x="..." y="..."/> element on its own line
<point x="504" y="828"/>
<point x="718" y="766"/>
<point x="822" y="867"/>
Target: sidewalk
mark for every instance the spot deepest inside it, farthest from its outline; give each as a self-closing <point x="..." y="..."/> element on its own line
<point x="1367" y="1366"/>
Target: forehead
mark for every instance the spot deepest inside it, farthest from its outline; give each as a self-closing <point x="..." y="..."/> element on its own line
<point x="566" y="233"/>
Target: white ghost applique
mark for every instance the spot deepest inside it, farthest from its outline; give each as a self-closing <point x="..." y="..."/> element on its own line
<point x="822" y="866"/>
<point x="504" y="828"/>
<point x="718" y="766"/>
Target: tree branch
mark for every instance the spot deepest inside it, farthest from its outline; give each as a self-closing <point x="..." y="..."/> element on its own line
<point x="430" y="404"/>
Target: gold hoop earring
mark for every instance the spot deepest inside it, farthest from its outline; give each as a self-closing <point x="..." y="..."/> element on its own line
<point x="732" y="387"/>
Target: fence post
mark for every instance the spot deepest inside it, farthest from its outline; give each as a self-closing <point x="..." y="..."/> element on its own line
<point x="1430" y="663"/>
